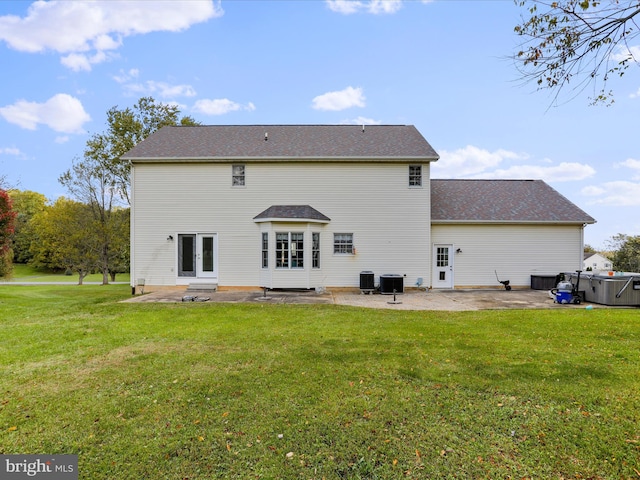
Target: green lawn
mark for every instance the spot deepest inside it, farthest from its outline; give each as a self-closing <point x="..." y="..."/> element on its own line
<point x="205" y="390"/>
<point x="28" y="273"/>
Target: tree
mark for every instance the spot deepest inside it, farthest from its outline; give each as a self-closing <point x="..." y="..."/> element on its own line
<point x="125" y="128"/>
<point x="96" y="186"/>
<point x="7" y="219"/>
<point x="578" y="43"/>
<point x="64" y="238"/>
<point x="626" y="252"/>
<point x="26" y="204"/>
<point x="101" y="180"/>
<point x="119" y="258"/>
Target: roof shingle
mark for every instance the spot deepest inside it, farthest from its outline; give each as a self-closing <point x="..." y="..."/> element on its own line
<point x="292" y="212"/>
<point x="223" y="142"/>
<point x="501" y="201"/>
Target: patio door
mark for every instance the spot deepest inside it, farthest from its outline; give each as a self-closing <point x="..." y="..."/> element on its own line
<point x="442" y="276"/>
<point x="206" y="262"/>
<point x="197" y="255"/>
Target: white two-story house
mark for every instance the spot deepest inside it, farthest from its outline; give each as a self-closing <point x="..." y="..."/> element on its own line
<point x="313" y="206"/>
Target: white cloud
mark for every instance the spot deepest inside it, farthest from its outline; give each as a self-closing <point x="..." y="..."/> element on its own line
<point x="347" y="7"/>
<point x="162" y="89"/>
<point x="62" y="113"/>
<point x="614" y="194"/>
<point x="81" y="62"/>
<point x="593" y="191"/>
<point x="470" y="160"/>
<point x="635" y="94"/>
<point x="626" y="53"/>
<point x="220" y="106"/>
<point x="124" y="77"/>
<point x="360" y="121"/>
<point x="340" y="100"/>
<point x="563" y="172"/>
<point x="11" y="151"/>
<point x="474" y="162"/>
<point x="85" y="31"/>
<point x="633" y="164"/>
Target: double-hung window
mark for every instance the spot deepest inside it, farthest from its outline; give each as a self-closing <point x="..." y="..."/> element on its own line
<point x="343" y="243"/>
<point x="415" y="175"/>
<point x="238" y="176"/>
<point x="289" y="250"/>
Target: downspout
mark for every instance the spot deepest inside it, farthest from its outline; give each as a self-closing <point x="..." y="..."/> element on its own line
<point x="581" y="253"/>
<point x="132" y="269"/>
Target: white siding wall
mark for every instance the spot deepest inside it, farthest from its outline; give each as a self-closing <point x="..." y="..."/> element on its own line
<point x="515" y="251"/>
<point x="389" y="220"/>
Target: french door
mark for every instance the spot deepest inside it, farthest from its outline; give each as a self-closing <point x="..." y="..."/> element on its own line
<point x="197" y="255"/>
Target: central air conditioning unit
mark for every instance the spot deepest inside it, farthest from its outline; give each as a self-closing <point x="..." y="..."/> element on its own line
<point x="391" y="283"/>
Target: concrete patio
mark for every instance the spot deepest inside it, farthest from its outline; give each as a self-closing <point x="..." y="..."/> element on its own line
<point x="452" y="300"/>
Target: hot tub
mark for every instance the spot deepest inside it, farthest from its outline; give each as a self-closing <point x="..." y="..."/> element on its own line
<point x="621" y="289"/>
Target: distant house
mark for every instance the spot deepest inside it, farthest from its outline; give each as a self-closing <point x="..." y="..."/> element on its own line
<point x="595" y="262"/>
<point x="313" y="206"/>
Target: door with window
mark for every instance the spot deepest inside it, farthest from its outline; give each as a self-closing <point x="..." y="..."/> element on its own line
<point x="442" y="266"/>
<point x="197" y="255"/>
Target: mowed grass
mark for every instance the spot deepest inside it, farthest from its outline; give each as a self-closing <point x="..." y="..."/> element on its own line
<point x="28" y="273"/>
<point x="206" y="390"/>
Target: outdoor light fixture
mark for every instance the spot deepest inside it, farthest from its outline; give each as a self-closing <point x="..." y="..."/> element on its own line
<point x="170" y="238"/>
<point x="459" y="250"/>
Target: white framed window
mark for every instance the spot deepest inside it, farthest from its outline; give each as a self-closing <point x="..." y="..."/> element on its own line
<point x="415" y="175"/>
<point x="289" y="250"/>
<point x="343" y="243"/>
<point x="238" y="176"/>
<point x="315" y="250"/>
<point x="265" y="250"/>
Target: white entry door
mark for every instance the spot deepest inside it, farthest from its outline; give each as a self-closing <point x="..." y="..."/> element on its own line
<point x="197" y="255"/>
<point x="442" y="266"/>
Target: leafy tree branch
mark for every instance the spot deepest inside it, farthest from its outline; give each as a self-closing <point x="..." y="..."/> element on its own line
<point x="573" y="44"/>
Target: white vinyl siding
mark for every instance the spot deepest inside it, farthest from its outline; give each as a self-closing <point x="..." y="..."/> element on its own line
<point x="390" y="221"/>
<point x="515" y="251"/>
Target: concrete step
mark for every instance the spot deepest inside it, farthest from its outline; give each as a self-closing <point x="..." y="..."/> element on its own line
<point x="202" y="287"/>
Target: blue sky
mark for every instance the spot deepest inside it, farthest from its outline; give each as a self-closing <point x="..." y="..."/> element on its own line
<point x="441" y="65"/>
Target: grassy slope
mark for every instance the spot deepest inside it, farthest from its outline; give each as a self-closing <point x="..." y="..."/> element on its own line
<point x="291" y="391"/>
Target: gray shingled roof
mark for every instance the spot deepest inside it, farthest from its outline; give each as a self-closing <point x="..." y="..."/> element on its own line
<point x="287" y="142"/>
<point x="501" y="201"/>
<point x="292" y="212"/>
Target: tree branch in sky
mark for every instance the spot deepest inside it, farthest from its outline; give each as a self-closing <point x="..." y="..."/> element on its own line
<point x="573" y="44"/>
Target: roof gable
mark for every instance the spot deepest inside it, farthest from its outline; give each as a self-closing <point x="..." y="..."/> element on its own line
<point x="501" y="201"/>
<point x="284" y="142"/>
